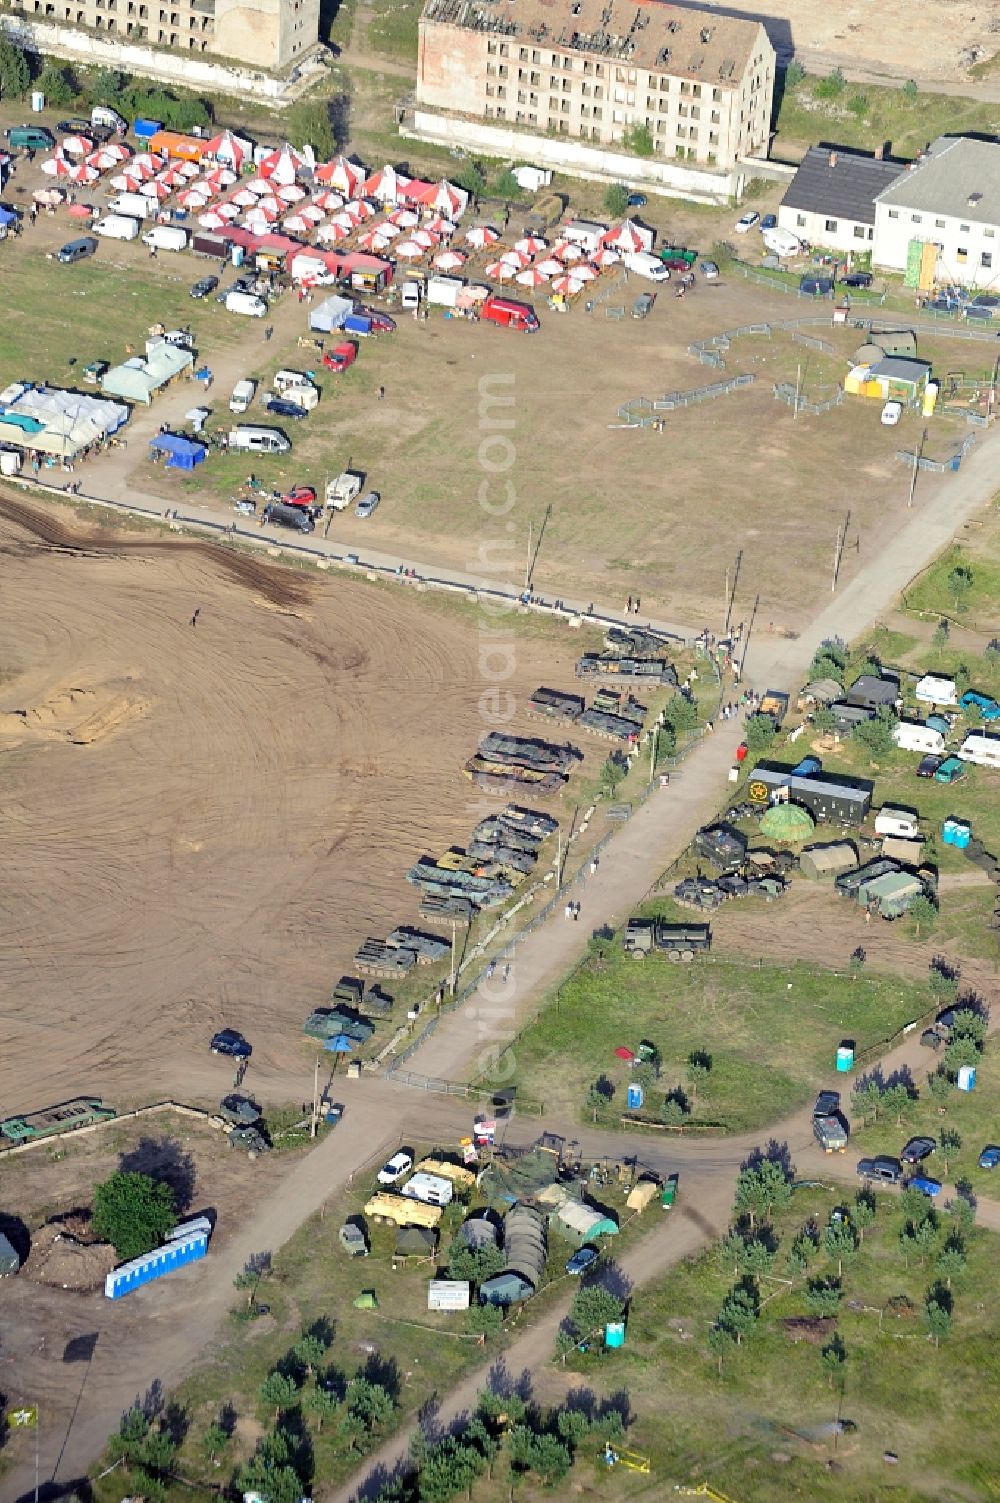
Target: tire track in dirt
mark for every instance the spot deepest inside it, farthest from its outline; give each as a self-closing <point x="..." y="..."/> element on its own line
<point x="276" y="585"/>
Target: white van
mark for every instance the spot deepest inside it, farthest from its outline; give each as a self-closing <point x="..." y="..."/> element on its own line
<point x="981" y="749"/>
<point x="432" y="1189"/>
<point x="909" y="735"/>
<point x="167" y="237"/>
<point x="901" y="822"/>
<point x="645" y="265"/>
<point x="243" y="395"/>
<point x="254" y="440"/>
<point x="134" y="205"/>
<point x="117" y="227"/>
<point x="247" y="303"/>
<point x="781" y="242"/>
<point x="411" y="296"/>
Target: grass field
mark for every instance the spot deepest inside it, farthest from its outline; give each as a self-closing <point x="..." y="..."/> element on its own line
<point x="392" y="30"/>
<point x="865" y="116"/>
<point x="980" y="606"/>
<point x="772" y="1033"/>
<point x="764" y="1429"/>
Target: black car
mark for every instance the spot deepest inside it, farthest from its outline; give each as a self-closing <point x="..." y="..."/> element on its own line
<point x="827" y="1104"/>
<point x="928" y="766"/>
<point x="206" y="286"/>
<point x="889" y="1171"/>
<point x="769" y="222"/>
<point x="918" y="1149"/>
<point x="284" y="409"/>
<point x="857" y="279"/>
<point x="76" y="128"/>
<point x="816" y="286"/>
<point x="228" y="1041"/>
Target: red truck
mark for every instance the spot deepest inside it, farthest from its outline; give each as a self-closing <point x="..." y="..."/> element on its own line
<point x="509" y="313"/>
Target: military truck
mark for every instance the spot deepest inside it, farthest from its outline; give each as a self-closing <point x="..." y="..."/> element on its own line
<point x="721" y="846"/>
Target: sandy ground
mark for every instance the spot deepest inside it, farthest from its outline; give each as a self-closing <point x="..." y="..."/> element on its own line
<point x="202" y="823"/>
<point x="933" y="40"/>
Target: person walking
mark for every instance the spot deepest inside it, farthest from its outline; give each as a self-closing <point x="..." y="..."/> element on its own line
<point x="194" y="618"/>
<point x="576" y="913"/>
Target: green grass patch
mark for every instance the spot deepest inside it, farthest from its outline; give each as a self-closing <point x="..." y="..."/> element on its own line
<point x="764" y="1428"/>
<point x="932" y="594"/>
<point x="392" y="31"/>
<point x="865" y="118"/>
<point x="772" y="1032"/>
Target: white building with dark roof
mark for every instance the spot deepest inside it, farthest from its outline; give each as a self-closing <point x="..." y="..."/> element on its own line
<point x="569" y="83"/>
<point x="943" y="213"/>
<point x="831" y="199"/>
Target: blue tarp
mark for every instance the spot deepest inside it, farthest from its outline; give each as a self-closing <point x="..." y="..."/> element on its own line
<point x="7" y="216"/>
<point x="182" y="453"/>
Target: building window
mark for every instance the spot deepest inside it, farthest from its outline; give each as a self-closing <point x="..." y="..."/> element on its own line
<point x="963" y="229"/>
<point x="916" y="219"/>
<point x="504" y="50"/>
<point x="986" y="259"/>
<point x="939" y="224"/>
<point x="830" y="226"/>
<point x="800" y="221"/>
<point x="962" y="253"/>
<point x="859" y="232"/>
<point x="893" y="213"/>
<point x="598" y="112"/>
<point x="988" y="234"/>
<point x="491" y="48"/>
<point x="522" y="54"/>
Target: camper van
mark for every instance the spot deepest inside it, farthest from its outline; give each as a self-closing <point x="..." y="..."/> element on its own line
<point x="250" y="439"/>
<point x="285" y="381"/>
<point x="982" y="749"/>
<point x="646" y="265"/>
<point x="901" y="822"/>
<point x="911" y="736"/>
<point x="117" y="227"/>
<point x="102" y="114"/>
<point x="781" y="242"/>
<point x="432" y="1189"/>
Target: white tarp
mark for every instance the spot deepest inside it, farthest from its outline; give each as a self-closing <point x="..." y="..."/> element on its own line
<point x="71" y="421"/>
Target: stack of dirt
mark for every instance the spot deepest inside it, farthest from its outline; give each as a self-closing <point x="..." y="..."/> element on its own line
<point x="65" y="1256"/>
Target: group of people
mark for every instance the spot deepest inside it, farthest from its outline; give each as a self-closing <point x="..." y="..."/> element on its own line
<point x="573" y="911"/>
<point x="632" y="606"/>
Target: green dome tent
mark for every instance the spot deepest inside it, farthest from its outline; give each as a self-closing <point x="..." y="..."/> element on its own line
<point x="788" y="824"/>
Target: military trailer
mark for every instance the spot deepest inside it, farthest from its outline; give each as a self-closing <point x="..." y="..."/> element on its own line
<point x="721" y="846"/>
<point x="827" y="797"/>
<point x="830" y="1133"/>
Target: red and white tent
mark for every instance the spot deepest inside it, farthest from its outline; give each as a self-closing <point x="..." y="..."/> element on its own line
<point x="567" y="284"/>
<point x="296" y="225"/>
<point x="244" y="198"/>
<point x="124" y="182"/>
<point x="218" y="178"/>
<point x="56" y="167"/>
<point x="481" y="236"/>
<point x="531" y="245"/>
<point x="425" y="238"/>
<point x="405" y="219"/>
<point x="213" y="220"/>
<point x="449" y="260"/>
<point x="83" y="174"/>
<point x="502" y="271"/>
<point x="584" y="273"/>
<point x="450" y="200"/>
<point x="532" y="276"/>
<point x="385" y="185"/>
<point x="628" y="238"/>
<point x="517" y="259"/>
<point x="409" y="250"/>
<point x="565" y="250"/>
<point x="270" y="205"/>
<point x="225" y="147"/>
<point x="145" y="164"/>
<point x="606" y="257"/>
<point x="359" y="209"/>
<point x="332" y="232"/>
<point x="228" y="212"/>
<point x="291" y="193"/>
<point x="156" y="190"/>
<point x="313" y="213"/>
<point x="282" y="166"/>
<point x="441" y="226"/>
<point x="347" y="177"/>
<point x="550" y="267"/>
<point x="191" y="198"/>
<point x="171" y="177"/>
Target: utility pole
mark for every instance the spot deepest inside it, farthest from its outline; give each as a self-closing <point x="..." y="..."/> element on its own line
<point x="454" y="951"/>
<point x="916" y="466"/>
<point x="731" y="594"/>
<point x="315" y="1110"/>
<point x="527" y="561"/>
<point x="798" y="388"/>
<point x="839" y="551"/>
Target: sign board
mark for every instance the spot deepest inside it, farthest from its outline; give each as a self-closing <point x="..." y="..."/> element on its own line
<point x="634" y="1098"/>
<point x="448" y="1294"/>
<point x="469" y="1154"/>
<point x="485" y="1129"/>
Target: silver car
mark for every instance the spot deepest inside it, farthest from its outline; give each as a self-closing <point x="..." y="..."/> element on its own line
<point x="367" y="504"/>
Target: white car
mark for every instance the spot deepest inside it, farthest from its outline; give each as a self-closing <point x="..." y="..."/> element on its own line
<point x="891" y="414"/>
<point x="392" y="1171"/>
<point x="746" y="221"/>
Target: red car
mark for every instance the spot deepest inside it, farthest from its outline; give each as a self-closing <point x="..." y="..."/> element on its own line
<point x="340" y="357"/>
<point x="299" y="495"/>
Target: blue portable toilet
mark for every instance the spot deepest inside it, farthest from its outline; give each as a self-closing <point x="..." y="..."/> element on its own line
<point x="845" y="1058"/>
<point x="963" y="834"/>
<point x="966" y="1078"/>
<point x="634" y="1098"/>
<point x="614" y="1334"/>
<point x="236" y="254"/>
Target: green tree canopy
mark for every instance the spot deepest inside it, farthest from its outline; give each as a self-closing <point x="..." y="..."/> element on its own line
<point x="616" y="200"/>
<point x="15" y="72"/>
<point x="877" y="735"/>
<point x="133" y="1212"/>
<point x="58" y="83"/>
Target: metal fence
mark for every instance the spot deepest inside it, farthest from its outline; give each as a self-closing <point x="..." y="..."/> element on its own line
<point x="794" y="398"/>
<point x="812" y="343"/>
<point x="937" y="466"/>
<point x="641" y="412"/>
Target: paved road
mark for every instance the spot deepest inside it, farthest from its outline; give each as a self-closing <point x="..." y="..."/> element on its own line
<point x="179" y="1322"/>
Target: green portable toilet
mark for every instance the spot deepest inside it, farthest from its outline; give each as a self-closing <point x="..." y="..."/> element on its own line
<point x="614" y="1334"/>
<point x="669" y="1194"/>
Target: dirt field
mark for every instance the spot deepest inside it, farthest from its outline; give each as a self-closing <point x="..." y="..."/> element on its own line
<point x="202" y="823"/>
